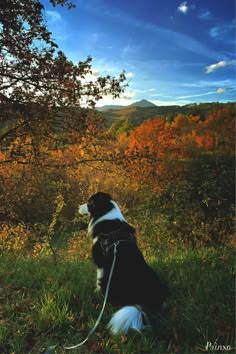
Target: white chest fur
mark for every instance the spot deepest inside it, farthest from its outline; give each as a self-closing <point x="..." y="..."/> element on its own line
<point x="113" y="214"/>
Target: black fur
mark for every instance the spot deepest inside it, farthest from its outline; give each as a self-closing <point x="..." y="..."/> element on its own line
<point x="133" y="281"/>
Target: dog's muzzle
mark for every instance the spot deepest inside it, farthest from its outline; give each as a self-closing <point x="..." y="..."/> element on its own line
<point x="83" y="209"/>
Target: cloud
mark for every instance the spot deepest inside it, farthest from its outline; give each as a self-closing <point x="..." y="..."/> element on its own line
<point x="221" y="64"/>
<point x="53" y="16"/>
<point x="57" y="25"/>
<point x="222" y="32"/>
<point x="182" y="40"/>
<point x="198" y="95"/>
<point x="129" y="75"/>
<point x="166" y="103"/>
<point x="128" y="95"/>
<point x="125" y="99"/>
<point x="183" y="7"/>
<point x="205" y="14"/>
<point x="220" y="90"/>
<point x="179" y="39"/>
<point x="91" y="77"/>
<point x="213" y="67"/>
<point x="208" y="84"/>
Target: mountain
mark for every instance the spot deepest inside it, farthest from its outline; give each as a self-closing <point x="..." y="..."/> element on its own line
<point x="143" y="104"/>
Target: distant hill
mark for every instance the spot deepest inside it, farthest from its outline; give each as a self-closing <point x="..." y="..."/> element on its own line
<point x="138" y="114"/>
<point x="109" y="107"/>
<point x="143" y="104"/>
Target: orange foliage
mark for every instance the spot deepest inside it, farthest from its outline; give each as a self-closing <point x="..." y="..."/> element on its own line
<point x="160" y="147"/>
<point x="152" y="135"/>
<point x="206" y="142"/>
<point x="219" y="130"/>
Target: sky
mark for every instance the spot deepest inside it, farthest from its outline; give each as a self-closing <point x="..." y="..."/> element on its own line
<point x="173" y="52"/>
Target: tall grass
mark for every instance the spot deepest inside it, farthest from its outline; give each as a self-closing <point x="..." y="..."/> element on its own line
<point x="43" y="303"/>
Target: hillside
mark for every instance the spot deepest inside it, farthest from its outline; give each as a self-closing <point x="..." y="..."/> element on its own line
<point x="139" y="114"/>
<point x="141" y="103"/>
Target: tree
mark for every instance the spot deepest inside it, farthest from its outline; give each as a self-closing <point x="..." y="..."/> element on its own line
<point x="42" y="93"/>
<point x="189" y="164"/>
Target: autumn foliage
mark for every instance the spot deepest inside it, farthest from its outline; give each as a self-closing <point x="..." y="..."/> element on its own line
<point x="184" y="165"/>
<point x="189" y="165"/>
<point x="53" y="142"/>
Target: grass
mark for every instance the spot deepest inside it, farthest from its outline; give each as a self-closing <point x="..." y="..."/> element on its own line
<point x="43" y="303"/>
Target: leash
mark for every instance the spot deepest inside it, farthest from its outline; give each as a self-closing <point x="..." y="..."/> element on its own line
<point x="92" y="331"/>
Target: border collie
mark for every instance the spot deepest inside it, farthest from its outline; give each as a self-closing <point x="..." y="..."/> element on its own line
<point x="134" y="287"/>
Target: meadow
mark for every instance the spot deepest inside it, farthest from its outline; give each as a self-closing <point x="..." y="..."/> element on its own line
<point x="47" y="298"/>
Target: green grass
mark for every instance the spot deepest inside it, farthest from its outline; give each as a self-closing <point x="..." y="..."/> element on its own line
<point x="44" y="304"/>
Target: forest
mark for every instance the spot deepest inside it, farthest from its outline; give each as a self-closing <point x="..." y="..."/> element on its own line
<point x="183" y="167"/>
<point x="173" y="175"/>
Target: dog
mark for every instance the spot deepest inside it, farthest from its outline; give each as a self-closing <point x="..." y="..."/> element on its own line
<point x="134" y="287"/>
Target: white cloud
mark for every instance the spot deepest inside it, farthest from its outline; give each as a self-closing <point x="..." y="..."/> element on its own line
<point x="166" y="103"/>
<point x="53" y="16"/>
<point x="127" y="98"/>
<point x="129" y="75"/>
<point x="197" y="95"/>
<point x="220" y="90"/>
<point x="221" y="64"/>
<point x="109" y="100"/>
<point x="92" y="76"/>
<point x="128" y="95"/>
<point x="213" y="67"/>
<point x="208" y="84"/>
<point x="183" y="7"/>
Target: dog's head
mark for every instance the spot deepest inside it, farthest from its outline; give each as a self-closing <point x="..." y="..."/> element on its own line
<point x="98" y="205"/>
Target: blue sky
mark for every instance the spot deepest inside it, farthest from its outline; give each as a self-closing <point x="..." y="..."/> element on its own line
<point x="173" y="52"/>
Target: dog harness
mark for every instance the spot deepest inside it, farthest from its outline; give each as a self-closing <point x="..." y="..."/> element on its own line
<point x="107" y="241"/>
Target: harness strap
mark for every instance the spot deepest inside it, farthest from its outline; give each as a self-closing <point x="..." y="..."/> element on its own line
<point x="91" y="332"/>
<point x="107" y="240"/>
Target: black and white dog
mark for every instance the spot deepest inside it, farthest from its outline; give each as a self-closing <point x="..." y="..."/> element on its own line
<point x="134" y="287"/>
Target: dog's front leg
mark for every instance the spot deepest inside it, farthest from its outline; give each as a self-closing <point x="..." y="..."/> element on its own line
<point x="100" y="273"/>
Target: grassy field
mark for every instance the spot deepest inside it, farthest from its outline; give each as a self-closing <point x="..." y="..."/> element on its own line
<point x="45" y="303"/>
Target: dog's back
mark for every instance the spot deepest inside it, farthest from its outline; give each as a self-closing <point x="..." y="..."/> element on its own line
<point x="133" y="281"/>
<point x="134" y="285"/>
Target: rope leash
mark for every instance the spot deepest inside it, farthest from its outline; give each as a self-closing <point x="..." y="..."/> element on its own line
<point x="92" y="331"/>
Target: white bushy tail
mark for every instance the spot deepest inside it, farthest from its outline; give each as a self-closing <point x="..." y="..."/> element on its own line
<point x="129" y="317"/>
